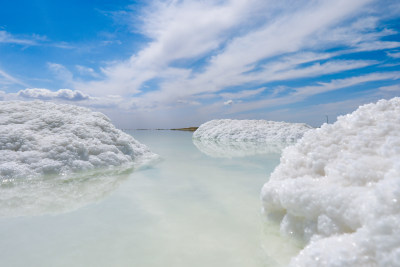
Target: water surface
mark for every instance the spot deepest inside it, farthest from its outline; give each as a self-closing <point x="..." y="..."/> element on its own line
<point x="190" y="209"/>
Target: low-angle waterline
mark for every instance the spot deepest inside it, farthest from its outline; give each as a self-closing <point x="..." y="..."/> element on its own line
<point x="190" y="209"/>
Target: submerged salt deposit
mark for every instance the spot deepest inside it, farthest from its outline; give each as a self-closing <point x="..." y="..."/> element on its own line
<point x="339" y="189"/>
<point x="233" y="149"/>
<point x="41" y="138"/>
<point x="251" y="130"/>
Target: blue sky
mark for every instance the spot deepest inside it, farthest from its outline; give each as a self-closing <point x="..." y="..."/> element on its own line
<point x="152" y="64"/>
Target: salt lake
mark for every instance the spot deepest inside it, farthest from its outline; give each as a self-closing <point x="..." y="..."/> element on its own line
<point x="198" y="206"/>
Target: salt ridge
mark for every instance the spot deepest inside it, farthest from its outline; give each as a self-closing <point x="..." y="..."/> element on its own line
<point x="338" y="189"/>
<point x="42" y="138"/>
<point x="251" y="130"/>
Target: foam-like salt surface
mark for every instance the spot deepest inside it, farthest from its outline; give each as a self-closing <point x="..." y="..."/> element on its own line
<point x="42" y="138"/>
<point x="339" y="189"/>
<point x="251" y="130"/>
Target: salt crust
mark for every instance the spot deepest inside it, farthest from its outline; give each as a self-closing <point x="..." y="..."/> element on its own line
<point x="42" y="138"/>
<point x="338" y="188"/>
<point x="251" y="130"/>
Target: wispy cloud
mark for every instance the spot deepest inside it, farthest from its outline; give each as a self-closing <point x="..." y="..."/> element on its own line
<point x="31" y="40"/>
<point x="240" y="42"/>
<point x="243" y="94"/>
<point x="391" y="88"/>
<point x="61" y="72"/>
<point x="230" y="57"/>
<point x="86" y="71"/>
<point x="8" y="38"/>
<point x="7" y="79"/>
<point x="301" y="93"/>
<point x="179" y="30"/>
<point x="394" y="54"/>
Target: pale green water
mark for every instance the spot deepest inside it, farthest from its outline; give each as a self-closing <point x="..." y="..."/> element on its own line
<point x="191" y="209"/>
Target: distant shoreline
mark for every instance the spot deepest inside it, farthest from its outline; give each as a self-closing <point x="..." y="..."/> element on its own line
<point x="187" y="129"/>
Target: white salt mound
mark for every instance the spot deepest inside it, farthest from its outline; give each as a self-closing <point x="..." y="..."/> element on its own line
<point x="251" y="130"/>
<point x="40" y="138"/>
<point x="339" y="189"/>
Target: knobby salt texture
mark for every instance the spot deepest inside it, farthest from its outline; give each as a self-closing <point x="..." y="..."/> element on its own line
<point x="251" y="130"/>
<point x="42" y="138"/>
<point x="339" y="189"/>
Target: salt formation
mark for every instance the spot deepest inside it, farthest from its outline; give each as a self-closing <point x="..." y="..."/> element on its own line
<point x="339" y="189"/>
<point x="251" y="130"/>
<point x="239" y="138"/>
<point x="41" y="138"/>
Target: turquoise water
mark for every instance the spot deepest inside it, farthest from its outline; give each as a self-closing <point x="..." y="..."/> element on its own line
<point x="193" y="208"/>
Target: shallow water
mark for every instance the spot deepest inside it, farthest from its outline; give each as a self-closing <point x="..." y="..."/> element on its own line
<point x="190" y="209"/>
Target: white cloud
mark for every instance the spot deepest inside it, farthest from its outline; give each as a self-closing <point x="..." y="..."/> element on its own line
<point x="104" y="103"/>
<point x="31" y="40"/>
<point x="315" y="114"/>
<point x="183" y="29"/>
<point x="391" y="88"/>
<point x="277" y="71"/>
<point x="262" y="44"/>
<point x="6" y="37"/>
<point x="7" y="79"/>
<point x="179" y="30"/>
<point x="188" y="102"/>
<point x="228" y="102"/>
<point x="301" y="93"/>
<point x="45" y="94"/>
<point x="61" y="72"/>
<point x="394" y="55"/>
<point x="243" y="94"/>
<point x="86" y="71"/>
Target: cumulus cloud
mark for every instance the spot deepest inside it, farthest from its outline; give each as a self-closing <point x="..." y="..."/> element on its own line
<point x="62" y="94"/>
<point x="108" y="102"/>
